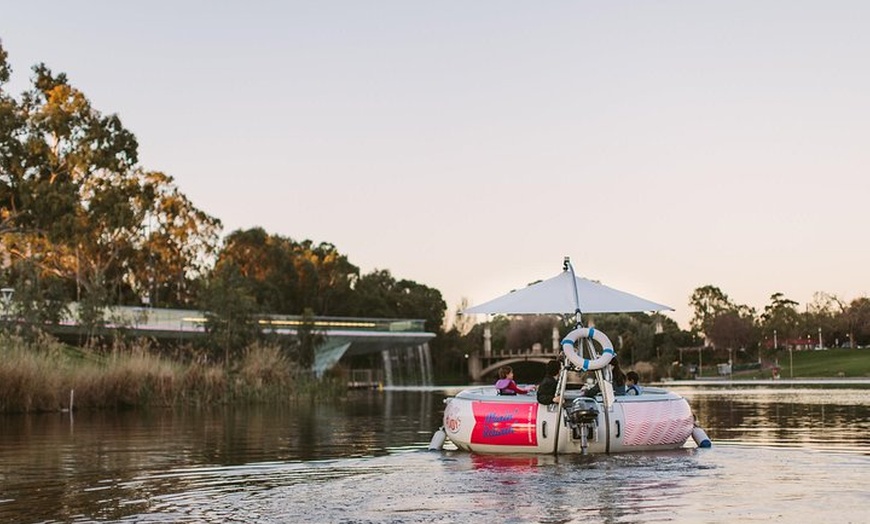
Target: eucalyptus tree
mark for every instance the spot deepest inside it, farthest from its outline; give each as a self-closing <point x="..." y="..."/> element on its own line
<point x="12" y="150"/>
<point x="782" y="318"/>
<point x="77" y="206"/>
<point x="859" y="321"/>
<point x="632" y="334"/>
<point x="326" y="278"/>
<point x="735" y="329"/>
<point x="379" y="294"/>
<point x="421" y="301"/>
<point x="708" y="303"/>
<point x="232" y="312"/>
<point x="828" y="313"/>
<point x="175" y="242"/>
<point x="288" y="277"/>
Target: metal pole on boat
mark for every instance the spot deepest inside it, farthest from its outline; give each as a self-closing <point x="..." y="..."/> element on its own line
<point x="567" y="266"/>
<point x="560" y="390"/>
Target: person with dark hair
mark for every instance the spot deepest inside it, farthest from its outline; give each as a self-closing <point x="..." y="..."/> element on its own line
<point x="618" y="375"/>
<point x="617" y="379"/>
<point x="632" y="386"/>
<point x="506" y="385"/>
<point x="547" y="389"/>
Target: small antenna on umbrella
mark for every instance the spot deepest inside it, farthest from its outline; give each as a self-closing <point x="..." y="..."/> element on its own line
<point x="567" y="266"/>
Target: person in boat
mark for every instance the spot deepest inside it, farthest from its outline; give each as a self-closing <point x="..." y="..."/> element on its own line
<point x="618" y="381"/>
<point x="547" y="389"/>
<point x="506" y="385"/>
<point x="632" y="383"/>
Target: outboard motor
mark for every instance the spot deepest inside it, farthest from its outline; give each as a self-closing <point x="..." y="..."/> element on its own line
<point x="582" y="415"/>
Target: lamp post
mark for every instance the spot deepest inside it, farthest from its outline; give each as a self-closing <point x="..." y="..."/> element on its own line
<point x="820" y="338"/>
<point x="657" y="336"/>
<point x="775" y="346"/>
<point x="6" y="293"/>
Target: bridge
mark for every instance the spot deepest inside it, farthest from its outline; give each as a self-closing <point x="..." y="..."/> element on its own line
<point x="402" y="344"/>
<point x="481" y="365"/>
<point x="396" y="340"/>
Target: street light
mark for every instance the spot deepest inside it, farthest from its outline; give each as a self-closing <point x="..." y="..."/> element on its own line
<point x="6" y="294"/>
<point x="657" y="336"/>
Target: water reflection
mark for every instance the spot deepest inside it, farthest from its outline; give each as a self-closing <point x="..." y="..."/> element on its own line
<point x="824" y="419"/>
<point x="363" y="459"/>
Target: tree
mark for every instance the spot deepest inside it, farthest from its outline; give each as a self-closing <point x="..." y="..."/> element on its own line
<point x="827" y="312"/>
<point x="266" y="262"/>
<point x="708" y="302"/>
<point x="288" y="277"/>
<point x="231" y="311"/>
<point x="526" y="331"/>
<point x="306" y="342"/>
<point x="733" y="330"/>
<point x="76" y="205"/>
<point x="12" y="152"/>
<point x="632" y="334"/>
<point x="175" y="242"/>
<point x="378" y="294"/>
<point x="859" y="321"/>
<point x="781" y="315"/>
<point x="420" y="301"/>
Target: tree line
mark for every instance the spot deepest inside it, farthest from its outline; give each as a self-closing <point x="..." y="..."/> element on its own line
<point x="826" y="321"/>
<point x="83" y="221"/>
<point x="722" y="327"/>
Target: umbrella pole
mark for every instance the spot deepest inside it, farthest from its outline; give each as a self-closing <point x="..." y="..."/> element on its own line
<point x="567" y="266"/>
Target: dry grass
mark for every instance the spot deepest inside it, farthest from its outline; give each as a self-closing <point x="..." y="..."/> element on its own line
<point x="40" y="376"/>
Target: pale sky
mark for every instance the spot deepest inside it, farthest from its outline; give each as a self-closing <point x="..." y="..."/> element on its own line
<point x="471" y="145"/>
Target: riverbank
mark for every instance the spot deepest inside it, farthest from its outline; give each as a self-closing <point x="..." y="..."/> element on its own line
<point x="839" y="363"/>
<point x="49" y="376"/>
<point x="725" y="382"/>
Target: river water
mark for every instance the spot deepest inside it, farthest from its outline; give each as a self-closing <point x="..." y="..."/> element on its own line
<point x="780" y="454"/>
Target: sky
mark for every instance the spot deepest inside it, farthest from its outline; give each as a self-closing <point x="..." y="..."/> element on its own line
<point x="470" y="146"/>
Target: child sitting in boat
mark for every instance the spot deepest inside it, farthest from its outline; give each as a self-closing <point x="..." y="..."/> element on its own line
<point x="506" y="385"/>
<point x="548" y="387"/>
<point x="632" y="383"/>
<point x="617" y="379"/>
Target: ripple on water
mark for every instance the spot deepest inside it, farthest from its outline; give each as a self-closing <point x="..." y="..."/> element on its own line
<point x="717" y="485"/>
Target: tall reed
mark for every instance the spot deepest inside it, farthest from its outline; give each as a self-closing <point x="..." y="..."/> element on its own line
<point x="40" y="376"/>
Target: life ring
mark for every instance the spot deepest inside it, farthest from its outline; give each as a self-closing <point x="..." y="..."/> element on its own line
<point x="607" y="353"/>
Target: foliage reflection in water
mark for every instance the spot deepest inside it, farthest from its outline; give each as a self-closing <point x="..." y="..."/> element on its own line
<point x="817" y="418"/>
<point x="364" y="460"/>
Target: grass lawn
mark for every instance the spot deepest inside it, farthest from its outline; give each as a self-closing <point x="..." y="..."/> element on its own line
<point x="832" y="363"/>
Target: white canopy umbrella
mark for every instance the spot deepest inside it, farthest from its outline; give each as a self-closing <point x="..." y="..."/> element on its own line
<point x="566" y="294"/>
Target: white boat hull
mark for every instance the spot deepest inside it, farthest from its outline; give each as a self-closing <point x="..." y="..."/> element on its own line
<point x="479" y="420"/>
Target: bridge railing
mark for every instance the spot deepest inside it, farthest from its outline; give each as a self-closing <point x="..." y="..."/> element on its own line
<point x="194" y="320"/>
<point x="504" y="353"/>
